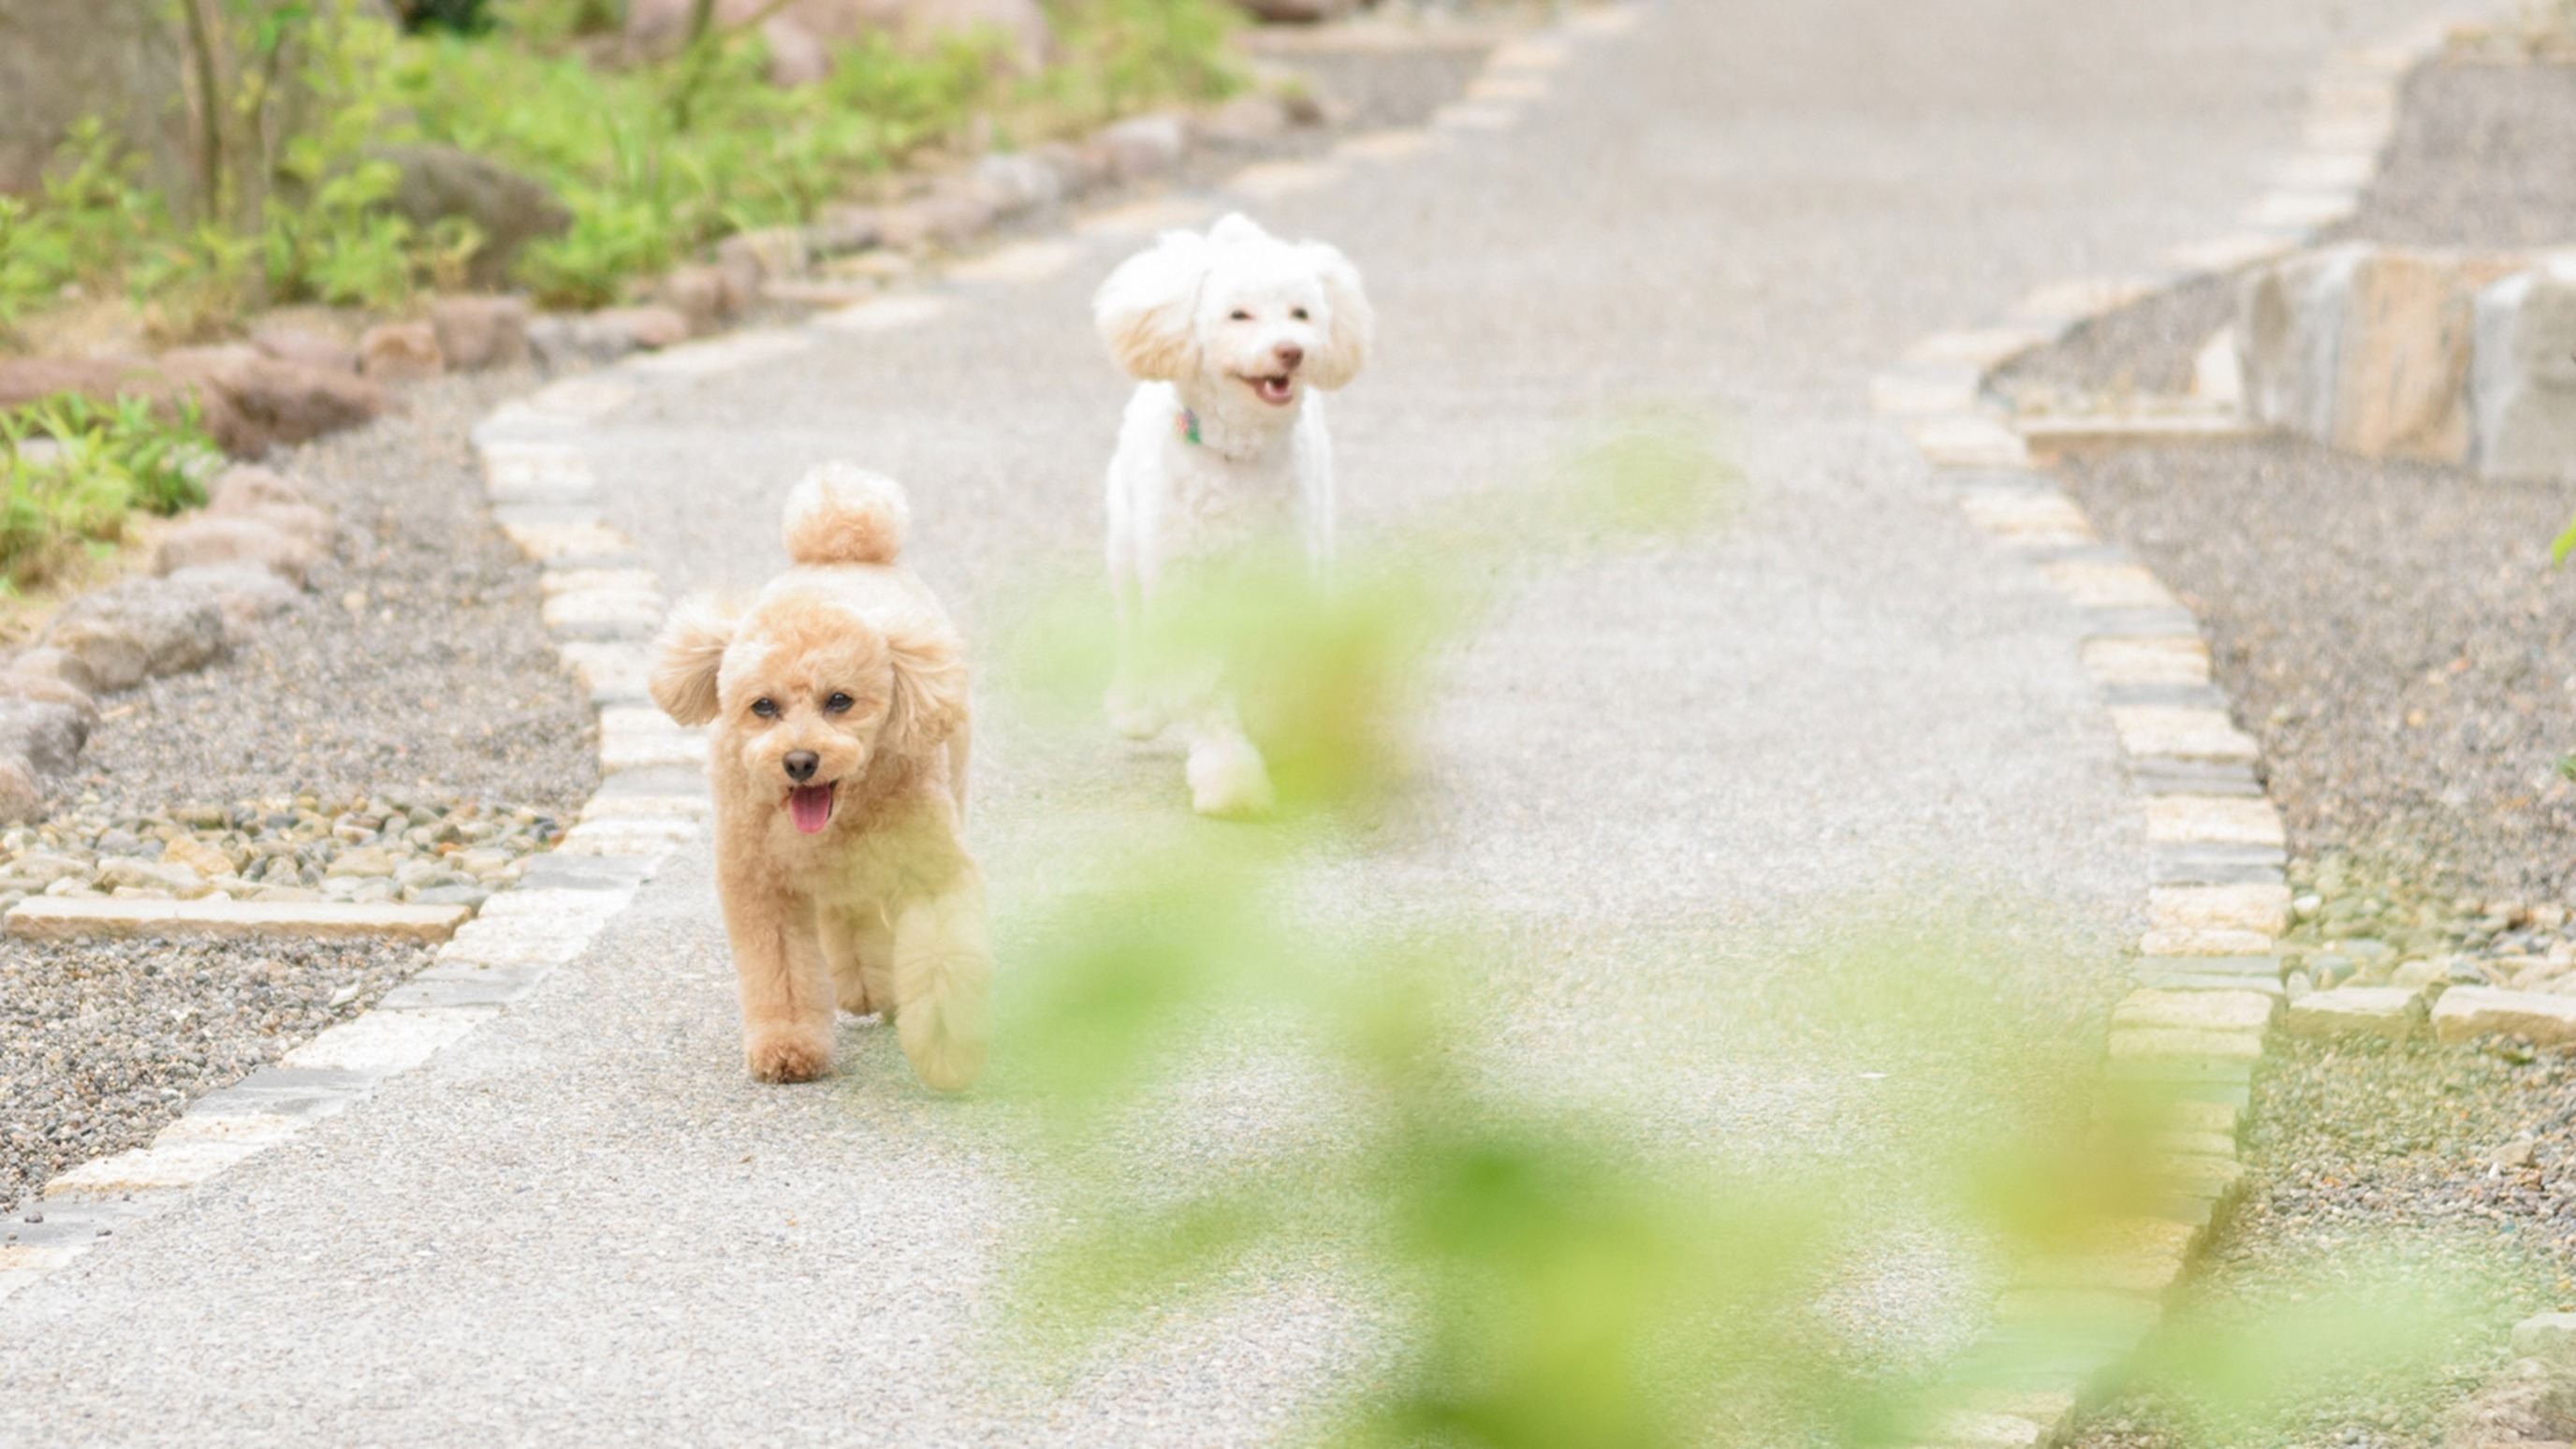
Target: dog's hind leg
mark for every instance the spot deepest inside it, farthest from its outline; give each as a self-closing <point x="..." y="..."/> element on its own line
<point x="859" y="948"/>
<point x="1134" y="705"/>
<point x="786" y="988"/>
<point x="943" y="985"/>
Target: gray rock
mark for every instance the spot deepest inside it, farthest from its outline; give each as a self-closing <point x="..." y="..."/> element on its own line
<point x="479" y="332"/>
<point x="305" y="348"/>
<point x="47" y="736"/>
<point x="621" y="330"/>
<point x="246" y="593"/>
<point x="509" y="209"/>
<point x="46" y="662"/>
<point x="2548" y="1336"/>
<point x="149" y="875"/>
<point x="2522" y="388"/>
<point x="137" y="629"/>
<point x="400" y="352"/>
<point x="1019" y="182"/>
<point x="213" y="541"/>
<point x="840" y="230"/>
<point x="1143" y="147"/>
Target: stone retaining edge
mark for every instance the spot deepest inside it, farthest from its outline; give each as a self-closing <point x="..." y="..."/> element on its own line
<point x="2205" y="995"/>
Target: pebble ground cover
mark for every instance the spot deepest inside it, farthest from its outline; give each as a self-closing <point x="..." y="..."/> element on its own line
<point x="403" y="734"/>
<point x="2394" y="635"/>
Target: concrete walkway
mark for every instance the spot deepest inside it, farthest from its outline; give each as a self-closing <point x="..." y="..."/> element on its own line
<point x="582" y="1224"/>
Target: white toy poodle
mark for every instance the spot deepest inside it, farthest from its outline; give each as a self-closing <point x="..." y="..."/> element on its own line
<point x="1223" y="450"/>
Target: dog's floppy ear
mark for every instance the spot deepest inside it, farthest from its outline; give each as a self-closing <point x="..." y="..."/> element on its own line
<point x="930" y="684"/>
<point x="686" y="657"/>
<point x="1145" y="310"/>
<point x="1353" y="329"/>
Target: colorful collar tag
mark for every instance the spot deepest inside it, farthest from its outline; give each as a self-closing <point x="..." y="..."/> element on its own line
<point x="1187" y="425"/>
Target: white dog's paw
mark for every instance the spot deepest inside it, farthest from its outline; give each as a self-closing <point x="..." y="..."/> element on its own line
<point x="1227" y="778"/>
<point x="1133" y="713"/>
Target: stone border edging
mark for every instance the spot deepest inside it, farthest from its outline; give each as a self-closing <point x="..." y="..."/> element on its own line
<point x="2205" y="992"/>
<point x="603" y="606"/>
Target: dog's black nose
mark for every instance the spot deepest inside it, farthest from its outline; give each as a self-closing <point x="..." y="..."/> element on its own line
<point x="1290" y="354"/>
<point x="801" y="765"/>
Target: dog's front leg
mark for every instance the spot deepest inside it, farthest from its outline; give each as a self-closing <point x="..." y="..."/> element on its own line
<point x="1134" y="705"/>
<point x="786" y="990"/>
<point x="1226" y="773"/>
<point x="943" y="984"/>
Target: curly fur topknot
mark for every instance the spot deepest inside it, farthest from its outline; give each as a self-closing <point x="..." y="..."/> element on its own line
<point x="844" y="514"/>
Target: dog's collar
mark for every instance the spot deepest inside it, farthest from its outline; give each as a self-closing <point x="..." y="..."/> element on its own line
<point x="1187" y="426"/>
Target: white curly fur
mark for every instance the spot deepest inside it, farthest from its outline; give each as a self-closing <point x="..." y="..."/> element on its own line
<point x="1232" y="332"/>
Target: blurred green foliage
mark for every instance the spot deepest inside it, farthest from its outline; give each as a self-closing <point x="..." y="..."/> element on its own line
<point x="654" y="160"/>
<point x="1534" y="1264"/>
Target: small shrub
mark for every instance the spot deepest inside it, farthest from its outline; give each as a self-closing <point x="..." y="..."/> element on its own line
<point x="72" y="471"/>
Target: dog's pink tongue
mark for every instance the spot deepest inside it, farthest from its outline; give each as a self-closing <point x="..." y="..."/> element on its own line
<point x="813" y="806"/>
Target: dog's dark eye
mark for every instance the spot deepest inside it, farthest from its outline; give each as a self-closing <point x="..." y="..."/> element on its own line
<point x="837" y="704"/>
<point x="1241" y="315"/>
<point x="765" y="708"/>
<point x="1299" y="314"/>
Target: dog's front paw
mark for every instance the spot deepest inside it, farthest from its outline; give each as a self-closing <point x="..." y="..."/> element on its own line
<point x="1227" y="778"/>
<point x="787" y="1053"/>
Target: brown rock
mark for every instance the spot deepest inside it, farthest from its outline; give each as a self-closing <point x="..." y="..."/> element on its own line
<point x="43" y="690"/>
<point x="703" y="296"/>
<point x="774" y="251"/>
<point x="840" y="230"/>
<point x="24" y="380"/>
<point x="948" y="218"/>
<point x="1246" y="121"/>
<point x="478" y="332"/>
<point x="1294" y="12"/>
<point x="306" y="348"/>
<point x="45" y="662"/>
<point x="245" y="486"/>
<point x="267" y="401"/>
<point x="400" y="352"/>
<point x="650" y="328"/>
<point x="206" y="541"/>
<point x="246" y="594"/>
<point x="1143" y="147"/>
<point x="20" y="803"/>
<point x="132" y="631"/>
<point x="509" y="209"/>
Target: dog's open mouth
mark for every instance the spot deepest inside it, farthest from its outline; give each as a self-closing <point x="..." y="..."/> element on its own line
<point x="1276" y="391"/>
<point x="812" y="807"/>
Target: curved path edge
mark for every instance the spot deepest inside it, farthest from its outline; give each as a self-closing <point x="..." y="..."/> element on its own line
<point x="2205" y="992"/>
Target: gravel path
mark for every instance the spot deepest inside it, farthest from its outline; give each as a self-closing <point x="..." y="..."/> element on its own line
<point x="417" y="663"/>
<point x="417" y="668"/>
<point x="102" y="1044"/>
<point x="2359" y="1153"/>
<point x="2394" y="635"/>
<point x="2480" y="159"/>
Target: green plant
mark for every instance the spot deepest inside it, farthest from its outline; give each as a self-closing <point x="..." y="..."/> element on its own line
<point x="71" y="470"/>
<point x="89" y="216"/>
